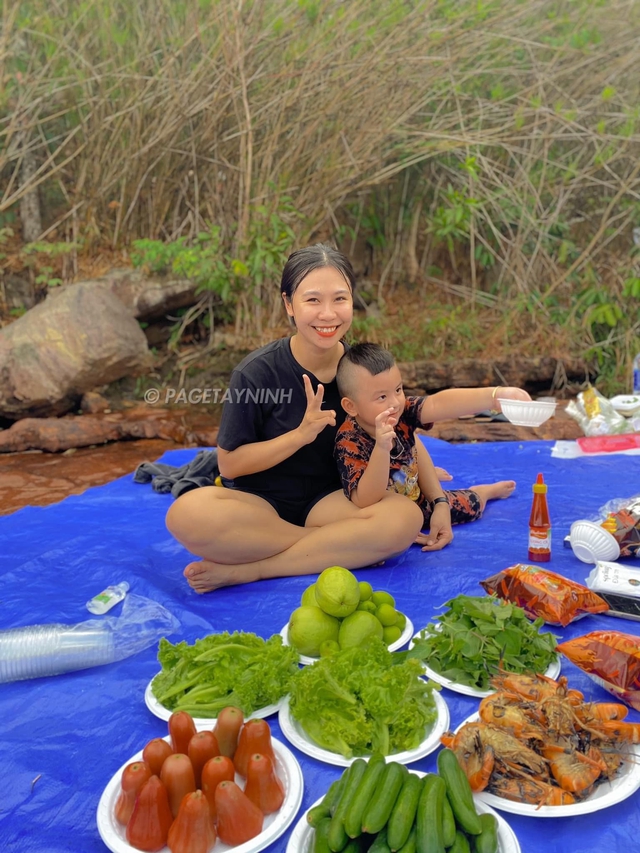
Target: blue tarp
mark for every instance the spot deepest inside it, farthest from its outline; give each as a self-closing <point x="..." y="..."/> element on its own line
<point x="72" y="732"/>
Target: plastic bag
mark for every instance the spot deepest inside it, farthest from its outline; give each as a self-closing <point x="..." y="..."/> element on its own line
<point x="37" y="650"/>
<point x="611" y="659"/>
<point x="540" y="592"/>
<point x="596" y="415"/>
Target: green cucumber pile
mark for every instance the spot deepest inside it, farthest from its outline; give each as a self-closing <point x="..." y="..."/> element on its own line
<point x="382" y="808"/>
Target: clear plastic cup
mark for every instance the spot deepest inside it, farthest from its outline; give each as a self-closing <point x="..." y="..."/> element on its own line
<point x="38" y="650"/>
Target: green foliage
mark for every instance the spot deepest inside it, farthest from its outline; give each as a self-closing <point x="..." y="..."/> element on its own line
<point x="452" y="219"/>
<point x="39" y="256"/>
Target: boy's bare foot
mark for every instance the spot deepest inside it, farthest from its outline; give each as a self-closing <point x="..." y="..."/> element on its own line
<point x="492" y="491"/>
<point x="205" y="576"/>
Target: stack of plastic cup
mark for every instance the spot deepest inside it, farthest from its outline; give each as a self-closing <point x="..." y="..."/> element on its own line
<point x="38" y="650"/>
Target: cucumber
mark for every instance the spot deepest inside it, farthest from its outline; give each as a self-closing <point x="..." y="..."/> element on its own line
<point x="448" y="823"/>
<point x="409" y="845"/>
<point x="461" y="843"/>
<point x="379" y="808"/>
<point x="404" y="812"/>
<point x="380" y="844"/>
<point x="337" y="835"/>
<point x="321" y="836"/>
<point x="360" y="801"/>
<point x="459" y="792"/>
<point x="323" y="809"/>
<point x="429" y="816"/>
<point x="487" y="841"/>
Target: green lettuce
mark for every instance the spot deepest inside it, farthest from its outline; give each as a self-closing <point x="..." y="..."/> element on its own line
<point x="224" y="669"/>
<point x="364" y="700"/>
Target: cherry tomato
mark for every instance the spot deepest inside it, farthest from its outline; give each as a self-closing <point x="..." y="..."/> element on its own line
<point x="149" y="823"/>
<point x="238" y="818"/>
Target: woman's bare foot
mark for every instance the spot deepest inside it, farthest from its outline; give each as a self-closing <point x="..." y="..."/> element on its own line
<point x="492" y="491"/>
<point x="205" y="576"/>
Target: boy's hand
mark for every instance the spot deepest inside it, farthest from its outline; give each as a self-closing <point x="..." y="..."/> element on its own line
<point x="385" y="432"/>
<point x="315" y="418"/>
<point x="442" y="475"/>
<point x="510" y="393"/>
<point x="440" y="532"/>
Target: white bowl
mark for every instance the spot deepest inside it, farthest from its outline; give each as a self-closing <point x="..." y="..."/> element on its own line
<point x="530" y="413"/>
<point x="626" y="404"/>
<point x="591" y="542"/>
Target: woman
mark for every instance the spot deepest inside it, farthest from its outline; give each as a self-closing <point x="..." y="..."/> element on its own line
<point x="285" y="513"/>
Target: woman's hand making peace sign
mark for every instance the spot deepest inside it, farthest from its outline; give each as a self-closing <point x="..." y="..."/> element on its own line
<point x="315" y="418"/>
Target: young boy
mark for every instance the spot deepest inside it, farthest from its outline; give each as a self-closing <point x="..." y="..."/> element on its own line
<point x="376" y="449"/>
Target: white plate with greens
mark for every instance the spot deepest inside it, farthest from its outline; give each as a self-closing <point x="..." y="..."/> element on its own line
<point x="552" y="671"/>
<point x="296" y="735"/>
<point x="393" y="647"/>
<point x="302" y="836"/>
<point x="164" y="713"/>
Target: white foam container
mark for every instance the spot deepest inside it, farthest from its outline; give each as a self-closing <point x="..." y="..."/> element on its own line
<point x="592" y="543"/>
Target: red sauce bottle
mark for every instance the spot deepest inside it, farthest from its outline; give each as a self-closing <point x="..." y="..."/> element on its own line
<point x="539" y="524"/>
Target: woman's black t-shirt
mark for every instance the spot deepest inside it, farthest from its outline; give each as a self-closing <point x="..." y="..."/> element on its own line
<point x="266" y="398"/>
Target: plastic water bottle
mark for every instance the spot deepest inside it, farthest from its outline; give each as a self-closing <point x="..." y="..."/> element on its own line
<point x="38" y="650"/>
<point x="636" y="375"/>
<point x="108" y="598"/>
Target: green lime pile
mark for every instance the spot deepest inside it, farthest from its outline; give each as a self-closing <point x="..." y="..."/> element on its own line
<point x="339" y="612"/>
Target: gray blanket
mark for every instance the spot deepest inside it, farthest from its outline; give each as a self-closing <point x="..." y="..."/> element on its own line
<point x="201" y="471"/>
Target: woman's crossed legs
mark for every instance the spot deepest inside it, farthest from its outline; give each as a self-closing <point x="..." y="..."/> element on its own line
<point x="241" y="538"/>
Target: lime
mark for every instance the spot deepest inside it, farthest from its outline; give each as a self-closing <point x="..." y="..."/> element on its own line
<point x="387" y="615"/>
<point x="366" y="590"/>
<point x="401" y="620"/>
<point x="337" y="591"/>
<point x="358" y="627"/>
<point x="391" y="633"/>
<point x="328" y="648"/>
<point x="309" y="627"/>
<point x="369" y="606"/>
<point x="309" y="597"/>
<point x="381" y="597"/>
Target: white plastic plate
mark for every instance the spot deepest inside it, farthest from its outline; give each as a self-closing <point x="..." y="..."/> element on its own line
<point x="288" y="771"/>
<point x="164" y="713"/>
<point x="301" y="839"/>
<point x="625" y="783"/>
<point x="399" y="643"/>
<point x="552" y="671"/>
<point x="296" y="735"/>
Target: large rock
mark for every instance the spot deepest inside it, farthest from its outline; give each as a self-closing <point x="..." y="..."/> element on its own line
<point x="545" y="371"/>
<point x="147" y="298"/>
<point x="74" y="341"/>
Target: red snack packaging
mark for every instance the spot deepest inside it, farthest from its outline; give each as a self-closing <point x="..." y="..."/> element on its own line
<point x="611" y="659"/>
<point x="545" y="594"/>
